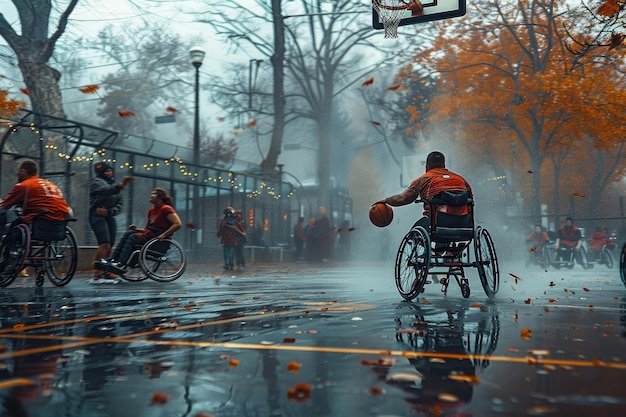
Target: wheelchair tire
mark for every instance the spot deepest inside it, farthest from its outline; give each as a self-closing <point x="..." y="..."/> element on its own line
<point x="62" y="259"/>
<point x="622" y="264"/>
<point x="412" y="263"/>
<point x="135" y="272"/>
<point x="486" y="262"/>
<point x="608" y="258"/>
<point x="584" y="259"/>
<point x="162" y="260"/>
<point x="15" y="243"/>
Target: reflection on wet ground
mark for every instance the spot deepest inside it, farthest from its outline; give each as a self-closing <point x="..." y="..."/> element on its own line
<point x="330" y="341"/>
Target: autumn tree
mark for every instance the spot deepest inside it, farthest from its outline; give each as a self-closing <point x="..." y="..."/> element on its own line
<point x="34" y="47"/>
<point x="506" y="77"/>
<point x="8" y="106"/>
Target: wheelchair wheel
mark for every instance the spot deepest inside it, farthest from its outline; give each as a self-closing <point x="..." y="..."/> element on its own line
<point x="487" y="262"/>
<point x="162" y="260"/>
<point x="584" y="259"/>
<point x="608" y="258"/>
<point x="13" y="250"/>
<point x="412" y="263"/>
<point x="622" y="264"/>
<point x="134" y="272"/>
<point x="62" y="256"/>
<point x="545" y="257"/>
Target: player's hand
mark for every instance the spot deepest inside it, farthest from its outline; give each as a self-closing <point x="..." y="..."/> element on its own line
<point x="102" y="211"/>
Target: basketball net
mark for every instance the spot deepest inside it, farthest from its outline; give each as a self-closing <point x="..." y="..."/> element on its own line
<point x="391" y="12"/>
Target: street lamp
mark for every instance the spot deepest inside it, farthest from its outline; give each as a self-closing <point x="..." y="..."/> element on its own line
<point x="196" y="55"/>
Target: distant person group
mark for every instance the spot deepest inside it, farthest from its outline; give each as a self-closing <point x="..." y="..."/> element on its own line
<point x="318" y="241"/>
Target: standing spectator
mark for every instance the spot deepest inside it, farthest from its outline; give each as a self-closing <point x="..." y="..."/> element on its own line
<point x="241" y="242"/>
<point x="322" y="231"/>
<point x="310" y="248"/>
<point x="299" y="238"/>
<point x="229" y="230"/>
<point x="105" y="202"/>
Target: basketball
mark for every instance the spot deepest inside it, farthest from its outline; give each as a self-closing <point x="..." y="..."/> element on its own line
<point x="381" y="214"/>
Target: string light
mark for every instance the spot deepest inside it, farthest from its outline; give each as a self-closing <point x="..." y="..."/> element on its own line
<point x="230" y="178"/>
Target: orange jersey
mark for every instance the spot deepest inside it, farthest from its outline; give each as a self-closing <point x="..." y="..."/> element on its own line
<point x="436" y="180"/>
<point x="35" y="195"/>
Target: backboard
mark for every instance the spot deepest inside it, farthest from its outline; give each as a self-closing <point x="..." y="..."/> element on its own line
<point x="432" y="10"/>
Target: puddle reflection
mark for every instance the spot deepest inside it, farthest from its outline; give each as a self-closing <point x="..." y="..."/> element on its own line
<point x="451" y="347"/>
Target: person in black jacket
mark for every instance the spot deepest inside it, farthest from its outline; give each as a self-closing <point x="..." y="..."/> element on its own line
<point x="105" y="202"/>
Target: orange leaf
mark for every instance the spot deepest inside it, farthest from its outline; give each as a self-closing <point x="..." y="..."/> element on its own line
<point x="579" y="195"/>
<point x="375" y="123"/>
<point x="533" y="249"/>
<point x="300" y="393"/>
<point x="367" y="82"/>
<point x="125" y="113"/>
<point x="233" y="362"/>
<point x="585" y="289"/>
<point x="376" y="390"/>
<point x="609" y="9"/>
<point x="293" y="367"/>
<point x="89" y="89"/>
<point x="171" y="109"/>
<point x="516" y="277"/>
<point x="394" y="87"/>
<point x="526" y="333"/>
<point x="25" y="91"/>
<point x="252" y="123"/>
<point x="159" y="398"/>
<point x="528" y="301"/>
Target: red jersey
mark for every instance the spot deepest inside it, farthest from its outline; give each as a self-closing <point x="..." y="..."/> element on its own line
<point x="541" y="237"/>
<point x="598" y="239"/>
<point x="35" y="195"/>
<point x="230" y="232"/>
<point x="436" y="180"/>
<point x="569" y="236"/>
<point x="157" y="218"/>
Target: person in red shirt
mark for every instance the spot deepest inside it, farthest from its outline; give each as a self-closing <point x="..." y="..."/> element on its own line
<point x="435" y="180"/>
<point x="229" y="230"/>
<point x="162" y="222"/>
<point x="569" y="237"/>
<point x="538" y="237"/>
<point x="35" y="194"/>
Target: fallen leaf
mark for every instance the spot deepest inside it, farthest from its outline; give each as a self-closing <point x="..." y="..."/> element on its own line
<point x="394" y="87"/>
<point x="89" y="89"/>
<point x="159" y="398"/>
<point x="526" y="333"/>
<point x="294" y="367"/>
<point x="233" y="363"/>
<point x="171" y="109"/>
<point x="367" y="82"/>
<point x="125" y="113"/>
<point x="300" y="392"/>
<point x="579" y="195"/>
<point x="25" y="91"/>
<point x="375" y="123"/>
<point x="376" y="390"/>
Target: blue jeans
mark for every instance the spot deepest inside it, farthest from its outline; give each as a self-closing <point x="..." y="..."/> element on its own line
<point x="229" y="254"/>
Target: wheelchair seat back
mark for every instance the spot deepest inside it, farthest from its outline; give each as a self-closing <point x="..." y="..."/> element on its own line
<point x="48" y="230"/>
<point x="448" y="228"/>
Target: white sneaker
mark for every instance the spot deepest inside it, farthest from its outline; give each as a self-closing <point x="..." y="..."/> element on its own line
<point x="97" y="280"/>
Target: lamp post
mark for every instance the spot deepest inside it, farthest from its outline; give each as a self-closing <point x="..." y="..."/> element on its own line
<point x="196" y="55"/>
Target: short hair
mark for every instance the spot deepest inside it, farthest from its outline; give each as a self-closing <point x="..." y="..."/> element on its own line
<point x="570" y="219"/>
<point x="29" y="166"/>
<point x="436" y="160"/>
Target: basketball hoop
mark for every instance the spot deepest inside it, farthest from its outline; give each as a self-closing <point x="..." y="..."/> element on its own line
<point x="392" y="11"/>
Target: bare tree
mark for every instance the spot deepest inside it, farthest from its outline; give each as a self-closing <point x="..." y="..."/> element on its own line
<point x="34" y="48"/>
<point x="320" y="45"/>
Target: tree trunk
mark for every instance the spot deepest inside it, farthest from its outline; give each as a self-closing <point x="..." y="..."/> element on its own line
<point x="269" y="163"/>
<point x="42" y="82"/>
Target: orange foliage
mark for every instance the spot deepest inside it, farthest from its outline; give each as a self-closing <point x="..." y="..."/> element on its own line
<point x="8" y="107"/>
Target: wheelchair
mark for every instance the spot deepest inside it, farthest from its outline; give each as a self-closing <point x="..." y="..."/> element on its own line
<point x="161" y="260"/>
<point x="446" y="249"/>
<point x="565" y="257"/>
<point x="47" y="246"/>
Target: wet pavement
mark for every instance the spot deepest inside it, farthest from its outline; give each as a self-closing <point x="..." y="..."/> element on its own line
<point x="315" y="340"/>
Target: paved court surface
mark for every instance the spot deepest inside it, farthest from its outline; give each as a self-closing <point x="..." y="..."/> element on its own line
<point x="315" y="340"/>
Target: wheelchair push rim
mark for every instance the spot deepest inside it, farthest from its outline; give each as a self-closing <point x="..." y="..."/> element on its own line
<point x="412" y="263"/>
<point x="487" y="262"/>
<point x="159" y="265"/>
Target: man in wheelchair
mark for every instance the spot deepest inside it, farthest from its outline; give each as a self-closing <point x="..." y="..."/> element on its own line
<point x="162" y="222"/>
<point x="439" y="182"/>
<point x="569" y="240"/>
<point x="38" y="199"/>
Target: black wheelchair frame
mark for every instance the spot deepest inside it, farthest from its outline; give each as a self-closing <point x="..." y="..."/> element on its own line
<point x="445" y="250"/>
<point x="565" y="257"/>
<point x="602" y="257"/>
<point x="51" y="251"/>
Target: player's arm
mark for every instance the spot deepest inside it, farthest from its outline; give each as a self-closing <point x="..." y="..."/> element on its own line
<point x="408" y="196"/>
